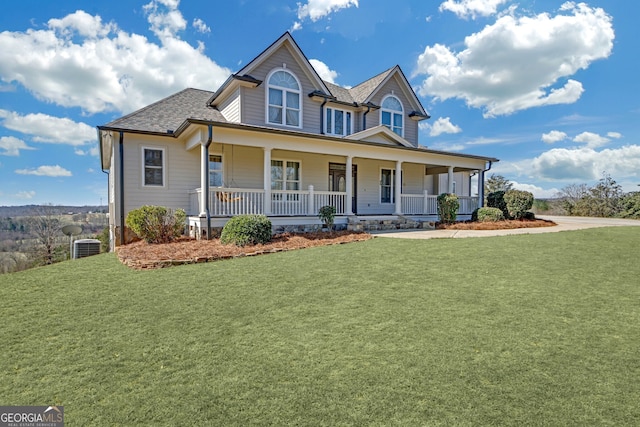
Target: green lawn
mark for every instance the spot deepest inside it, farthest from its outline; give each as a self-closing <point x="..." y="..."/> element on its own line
<point x="521" y="330"/>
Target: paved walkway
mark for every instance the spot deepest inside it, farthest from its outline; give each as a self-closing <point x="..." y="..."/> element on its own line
<point x="565" y="223"/>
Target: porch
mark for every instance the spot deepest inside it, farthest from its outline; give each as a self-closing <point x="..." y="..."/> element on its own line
<point x="296" y="211"/>
<point x="228" y="202"/>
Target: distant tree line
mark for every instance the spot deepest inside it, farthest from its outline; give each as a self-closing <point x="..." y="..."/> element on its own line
<point x="604" y="199"/>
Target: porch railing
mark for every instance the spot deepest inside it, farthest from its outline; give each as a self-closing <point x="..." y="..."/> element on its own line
<point x="425" y="204"/>
<point x="237" y="201"/>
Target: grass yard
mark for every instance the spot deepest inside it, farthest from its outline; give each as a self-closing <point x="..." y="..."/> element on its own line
<point x="520" y="330"/>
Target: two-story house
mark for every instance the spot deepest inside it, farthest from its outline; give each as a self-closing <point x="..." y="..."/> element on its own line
<point x="276" y="139"/>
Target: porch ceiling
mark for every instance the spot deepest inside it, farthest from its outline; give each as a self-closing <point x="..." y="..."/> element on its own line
<point x="437" y="170"/>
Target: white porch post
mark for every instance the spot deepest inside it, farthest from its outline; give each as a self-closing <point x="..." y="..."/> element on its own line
<point x="267" y="181"/>
<point x="425" y="203"/>
<point x="349" y="179"/>
<point x="480" y="188"/>
<point x="450" y="179"/>
<point x="398" y="188"/>
<point x="310" y="203"/>
<point x="204" y="177"/>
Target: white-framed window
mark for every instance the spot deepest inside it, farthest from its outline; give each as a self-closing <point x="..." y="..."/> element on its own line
<point x="387" y="186"/>
<point x="284" y="99"/>
<point x="338" y="122"/>
<point x="286" y="175"/>
<point x="392" y="114"/>
<point x="153" y="167"/>
<point x="216" y="178"/>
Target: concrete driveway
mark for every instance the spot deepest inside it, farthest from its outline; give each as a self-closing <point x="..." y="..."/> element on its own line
<point x="565" y="223"/>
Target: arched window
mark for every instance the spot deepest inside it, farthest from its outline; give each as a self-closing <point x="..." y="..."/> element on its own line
<point x="283" y="99"/>
<point x="391" y="114"/>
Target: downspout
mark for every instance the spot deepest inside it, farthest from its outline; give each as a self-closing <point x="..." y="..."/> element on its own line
<point x="481" y="186"/>
<point x="206" y="186"/>
<point x="322" y="116"/>
<point x="121" y="153"/>
<point x="364" y="117"/>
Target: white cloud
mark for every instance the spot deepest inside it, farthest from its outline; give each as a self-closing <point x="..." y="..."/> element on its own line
<point x="316" y="9"/>
<point x="538" y="192"/>
<point x="165" y="23"/>
<point x="79" y="61"/>
<point x="25" y="195"/>
<point x="323" y="70"/>
<point x="445" y="146"/>
<point x="554" y="136"/>
<point x="49" y="129"/>
<point x="12" y="146"/>
<point x="519" y="62"/>
<point x="593" y="140"/>
<point x="200" y="26"/>
<point x="585" y="164"/>
<point x="442" y="125"/>
<point x="615" y="135"/>
<point x="471" y="8"/>
<point x="53" y="171"/>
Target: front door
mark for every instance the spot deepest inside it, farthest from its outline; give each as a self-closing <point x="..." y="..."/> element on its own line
<point x="338" y="181"/>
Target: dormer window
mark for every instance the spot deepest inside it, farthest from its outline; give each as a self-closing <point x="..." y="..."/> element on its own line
<point x="283" y="99"/>
<point x="338" y="122"/>
<point x="391" y="114"/>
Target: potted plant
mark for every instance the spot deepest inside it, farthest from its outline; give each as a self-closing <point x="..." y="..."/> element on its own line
<point x="327" y="214"/>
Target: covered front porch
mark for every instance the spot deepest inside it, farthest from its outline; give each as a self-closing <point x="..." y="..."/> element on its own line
<point x="296" y="211"/>
<point x="289" y="177"/>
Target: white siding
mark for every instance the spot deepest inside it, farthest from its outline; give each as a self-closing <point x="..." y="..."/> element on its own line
<point x="230" y="108"/>
<point x="182" y="173"/>
<point x="253" y="102"/>
<point x="410" y="126"/>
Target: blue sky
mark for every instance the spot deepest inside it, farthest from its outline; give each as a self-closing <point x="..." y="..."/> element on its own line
<point x="548" y="87"/>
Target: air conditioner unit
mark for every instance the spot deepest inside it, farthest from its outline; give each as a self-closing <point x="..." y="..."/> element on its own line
<point x="85" y="247"/>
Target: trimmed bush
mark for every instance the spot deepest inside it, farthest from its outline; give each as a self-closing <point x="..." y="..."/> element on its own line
<point x="245" y="230"/>
<point x="518" y="203"/>
<point x="327" y="215"/>
<point x="496" y="200"/>
<point x="490" y="215"/>
<point x="448" y="205"/>
<point x="156" y="224"/>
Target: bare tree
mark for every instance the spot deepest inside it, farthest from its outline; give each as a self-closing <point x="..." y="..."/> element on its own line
<point x="46" y="228"/>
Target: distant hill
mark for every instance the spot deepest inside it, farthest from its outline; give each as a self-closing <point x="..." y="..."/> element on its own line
<point x="27" y="210"/>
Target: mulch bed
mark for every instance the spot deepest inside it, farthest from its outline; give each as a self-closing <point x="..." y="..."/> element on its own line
<point x="141" y="255"/>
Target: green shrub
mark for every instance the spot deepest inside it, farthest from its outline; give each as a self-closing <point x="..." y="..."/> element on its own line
<point x="245" y="230"/>
<point x="490" y="215"/>
<point x="518" y="203"/>
<point x="104" y="240"/>
<point x="496" y="200"/>
<point x="327" y="215"/>
<point x="448" y="205"/>
<point x="156" y="224"/>
<point x="474" y="215"/>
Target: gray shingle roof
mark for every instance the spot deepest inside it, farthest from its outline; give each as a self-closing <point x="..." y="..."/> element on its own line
<point x="169" y="113"/>
<point x="362" y="91"/>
